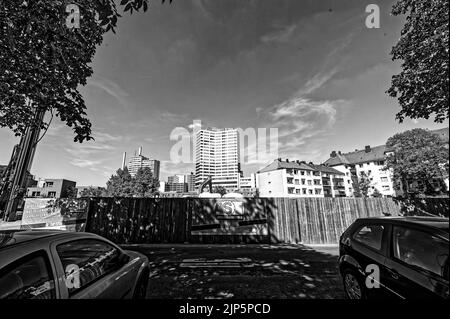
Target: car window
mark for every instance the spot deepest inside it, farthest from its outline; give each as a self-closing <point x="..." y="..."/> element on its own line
<point x="28" y="278"/>
<point x="86" y="260"/>
<point x="370" y="235"/>
<point x="421" y="249"/>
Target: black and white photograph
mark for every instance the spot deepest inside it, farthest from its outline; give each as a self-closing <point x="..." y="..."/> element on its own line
<point x="224" y="158"/>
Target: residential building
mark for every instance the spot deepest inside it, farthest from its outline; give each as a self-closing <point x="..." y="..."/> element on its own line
<point x="180" y="183"/>
<point x="371" y="161"/>
<point x="299" y="179"/>
<point x="217" y="156"/>
<point x="334" y="182"/>
<point x="247" y="186"/>
<point x="139" y="161"/>
<point x="52" y="188"/>
<point x="190" y="180"/>
<point x="176" y="187"/>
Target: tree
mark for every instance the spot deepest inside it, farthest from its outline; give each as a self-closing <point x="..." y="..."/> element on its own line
<point x="376" y="193"/>
<point x="71" y="192"/>
<point x="93" y="192"/>
<point x="422" y="86"/>
<point x="220" y="190"/>
<point x="363" y="185"/>
<point x="418" y="160"/>
<point x="43" y="62"/>
<point x="121" y="184"/>
<point x="144" y="184"/>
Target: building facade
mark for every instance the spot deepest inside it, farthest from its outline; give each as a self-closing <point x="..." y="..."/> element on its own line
<point x="247" y="186"/>
<point x="370" y="161"/>
<point x="52" y="188"/>
<point x="217" y="155"/>
<point x="139" y="161"/>
<point x="300" y="179"/>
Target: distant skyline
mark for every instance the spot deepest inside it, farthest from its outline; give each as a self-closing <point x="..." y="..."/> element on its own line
<point x="310" y="68"/>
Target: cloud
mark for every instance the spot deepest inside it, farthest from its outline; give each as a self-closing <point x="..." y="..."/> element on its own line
<point x="280" y="36"/>
<point x="112" y="88"/>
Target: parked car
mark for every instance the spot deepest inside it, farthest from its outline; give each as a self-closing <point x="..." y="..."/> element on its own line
<point x="45" y="264"/>
<point x="395" y="257"/>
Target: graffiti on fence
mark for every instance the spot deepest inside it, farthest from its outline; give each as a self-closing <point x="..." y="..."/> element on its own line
<point x="50" y="213"/>
<point x="228" y="216"/>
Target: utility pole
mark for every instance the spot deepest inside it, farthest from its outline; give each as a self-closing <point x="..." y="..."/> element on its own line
<point x="21" y="165"/>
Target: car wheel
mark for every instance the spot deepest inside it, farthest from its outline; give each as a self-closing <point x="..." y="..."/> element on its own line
<point x="352" y="285"/>
<point x="140" y="292"/>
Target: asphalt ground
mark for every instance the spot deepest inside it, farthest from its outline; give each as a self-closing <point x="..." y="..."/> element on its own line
<point x="242" y="271"/>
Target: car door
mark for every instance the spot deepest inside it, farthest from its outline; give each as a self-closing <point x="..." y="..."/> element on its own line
<point x="417" y="263"/>
<point x="93" y="268"/>
<point x="368" y="248"/>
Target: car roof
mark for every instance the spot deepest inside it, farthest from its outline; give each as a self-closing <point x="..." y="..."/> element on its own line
<point x="15" y="237"/>
<point x="433" y="222"/>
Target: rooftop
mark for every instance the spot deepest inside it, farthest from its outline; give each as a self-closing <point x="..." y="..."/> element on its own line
<point x="280" y="164"/>
<point x="370" y="154"/>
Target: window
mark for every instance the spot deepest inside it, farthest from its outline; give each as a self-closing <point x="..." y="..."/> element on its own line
<point x="370" y="235"/>
<point x="384" y="179"/>
<point x="51" y="194"/>
<point x="297" y="191"/>
<point x="49" y="184"/>
<point x="302" y="173"/>
<point x="420" y="249"/>
<point x="28" y="278"/>
<point x="304" y="191"/>
<point x="318" y="191"/>
<point x="93" y="258"/>
<point x="386" y="188"/>
<point x="297" y="182"/>
<point x="310" y="191"/>
<point x="309" y="182"/>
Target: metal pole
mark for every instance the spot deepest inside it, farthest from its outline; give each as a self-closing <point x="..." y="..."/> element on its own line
<point x="23" y="165"/>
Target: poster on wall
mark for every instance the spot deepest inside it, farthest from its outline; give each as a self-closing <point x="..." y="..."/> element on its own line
<point x="228" y="216"/>
<point x="51" y="213"/>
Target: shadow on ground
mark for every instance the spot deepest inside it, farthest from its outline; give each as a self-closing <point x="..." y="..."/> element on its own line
<point x="241" y="271"/>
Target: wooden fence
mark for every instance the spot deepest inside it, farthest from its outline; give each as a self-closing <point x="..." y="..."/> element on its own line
<point x="262" y="220"/>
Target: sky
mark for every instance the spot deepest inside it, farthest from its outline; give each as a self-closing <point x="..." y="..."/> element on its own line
<point x="309" y="68"/>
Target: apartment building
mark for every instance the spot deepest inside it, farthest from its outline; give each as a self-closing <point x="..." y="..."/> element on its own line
<point x="299" y="179"/>
<point x="247" y="186"/>
<point x="217" y="156"/>
<point x="369" y="160"/>
<point x="139" y="161"/>
<point x="52" y="188"/>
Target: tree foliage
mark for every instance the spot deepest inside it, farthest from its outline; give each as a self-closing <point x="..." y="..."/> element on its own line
<point x="363" y="185"/>
<point x="422" y="87"/>
<point x="144" y="184"/>
<point x="93" y="192"/>
<point x="418" y="157"/>
<point x="220" y="190"/>
<point x="122" y="184"/>
<point x="43" y="62"/>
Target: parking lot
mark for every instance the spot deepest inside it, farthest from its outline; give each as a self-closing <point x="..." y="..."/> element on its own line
<point x="242" y="271"/>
